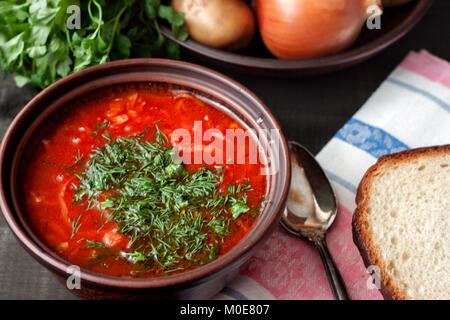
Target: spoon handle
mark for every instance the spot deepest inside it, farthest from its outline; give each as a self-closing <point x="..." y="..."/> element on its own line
<point x="334" y="277"/>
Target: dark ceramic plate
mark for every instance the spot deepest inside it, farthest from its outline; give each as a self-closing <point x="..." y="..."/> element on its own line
<point x="256" y="59"/>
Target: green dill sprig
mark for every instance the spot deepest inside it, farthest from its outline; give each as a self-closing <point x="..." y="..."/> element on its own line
<point x="100" y="126"/>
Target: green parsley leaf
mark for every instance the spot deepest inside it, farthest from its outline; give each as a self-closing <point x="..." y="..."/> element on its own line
<point x="239" y="208"/>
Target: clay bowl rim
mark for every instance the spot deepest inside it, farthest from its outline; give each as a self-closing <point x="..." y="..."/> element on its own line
<point x="60" y="265"/>
<point x="339" y="60"/>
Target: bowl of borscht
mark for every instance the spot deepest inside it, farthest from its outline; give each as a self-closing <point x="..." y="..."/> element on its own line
<point x="144" y="178"/>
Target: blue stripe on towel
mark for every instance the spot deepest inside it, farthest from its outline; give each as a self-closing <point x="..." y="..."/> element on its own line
<point x="422" y="92"/>
<point x="347" y="185"/>
<point x="372" y="140"/>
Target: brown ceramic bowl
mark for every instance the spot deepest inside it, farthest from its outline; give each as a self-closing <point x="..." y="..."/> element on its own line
<point x="256" y="59"/>
<point x="200" y="283"/>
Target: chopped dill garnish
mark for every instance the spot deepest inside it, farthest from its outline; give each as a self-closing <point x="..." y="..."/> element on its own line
<point x="174" y="218"/>
<point x="92" y="244"/>
<point x="76" y="225"/>
<point x="100" y="126"/>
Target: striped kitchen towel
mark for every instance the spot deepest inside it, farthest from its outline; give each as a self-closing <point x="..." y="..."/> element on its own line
<point x="410" y="109"/>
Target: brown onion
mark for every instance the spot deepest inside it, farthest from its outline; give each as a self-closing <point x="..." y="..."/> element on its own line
<point x="304" y="29"/>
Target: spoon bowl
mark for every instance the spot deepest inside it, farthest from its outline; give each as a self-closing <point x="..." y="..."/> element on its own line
<point x="311" y="205"/>
<point x="311" y="209"/>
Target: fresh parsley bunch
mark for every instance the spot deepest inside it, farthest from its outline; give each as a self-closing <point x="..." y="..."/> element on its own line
<point x="37" y="44"/>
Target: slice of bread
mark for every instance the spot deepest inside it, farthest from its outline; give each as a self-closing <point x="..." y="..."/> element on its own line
<point x="402" y="223"/>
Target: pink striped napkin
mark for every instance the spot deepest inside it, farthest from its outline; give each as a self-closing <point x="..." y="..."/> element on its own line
<point x="286" y="267"/>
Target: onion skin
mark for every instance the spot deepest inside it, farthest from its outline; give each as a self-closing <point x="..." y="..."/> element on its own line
<point x="220" y="24"/>
<point x="394" y="3"/>
<point x="307" y="29"/>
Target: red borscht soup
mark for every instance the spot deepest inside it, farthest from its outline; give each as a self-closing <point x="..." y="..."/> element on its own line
<point x="109" y="187"/>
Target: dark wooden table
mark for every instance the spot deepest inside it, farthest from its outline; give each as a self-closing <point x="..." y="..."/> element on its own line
<point x="310" y="111"/>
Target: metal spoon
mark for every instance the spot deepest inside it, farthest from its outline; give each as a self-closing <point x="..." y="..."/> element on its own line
<point x="311" y="209"/>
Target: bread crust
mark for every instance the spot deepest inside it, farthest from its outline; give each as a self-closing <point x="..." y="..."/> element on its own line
<point x="361" y="235"/>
